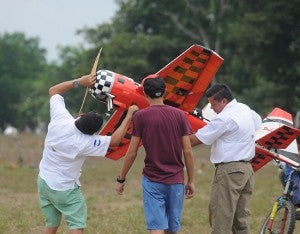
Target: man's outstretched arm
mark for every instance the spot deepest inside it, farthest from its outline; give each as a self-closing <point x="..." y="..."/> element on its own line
<point x="86" y="81"/>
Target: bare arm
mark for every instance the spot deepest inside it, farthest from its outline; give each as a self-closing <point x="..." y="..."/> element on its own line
<point x="128" y="162"/>
<point x="86" y="81"/>
<point x="194" y="140"/>
<point x="120" y="132"/>
<point x="189" y="164"/>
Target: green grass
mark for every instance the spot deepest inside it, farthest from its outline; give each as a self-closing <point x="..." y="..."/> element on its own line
<point x="107" y="211"/>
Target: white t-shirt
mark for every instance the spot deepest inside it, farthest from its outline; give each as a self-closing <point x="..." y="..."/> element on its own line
<point x="231" y="133"/>
<point x="66" y="148"/>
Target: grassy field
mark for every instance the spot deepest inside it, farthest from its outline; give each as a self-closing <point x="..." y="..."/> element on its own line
<point x="107" y="211"/>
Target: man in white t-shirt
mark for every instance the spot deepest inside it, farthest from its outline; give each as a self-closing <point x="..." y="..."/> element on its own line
<point x="231" y="136"/>
<point x="68" y="143"/>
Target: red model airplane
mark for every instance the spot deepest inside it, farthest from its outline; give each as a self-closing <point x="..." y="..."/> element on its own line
<point x="186" y="78"/>
<point x="277" y="140"/>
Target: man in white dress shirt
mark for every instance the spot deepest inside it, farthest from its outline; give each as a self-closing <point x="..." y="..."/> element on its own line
<point x="68" y="143"/>
<point x="231" y="136"/>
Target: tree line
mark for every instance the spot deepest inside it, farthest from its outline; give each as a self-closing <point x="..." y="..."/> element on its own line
<point x="259" y="41"/>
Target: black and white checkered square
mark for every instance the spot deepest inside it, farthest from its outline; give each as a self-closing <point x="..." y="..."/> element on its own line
<point x="103" y="85"/>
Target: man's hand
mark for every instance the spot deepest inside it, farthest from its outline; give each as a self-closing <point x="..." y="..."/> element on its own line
<point x="131" y="110"/>
<point x="120" y="188"/>
<point x="120" y="132"/>
<point x="87" y="80"/>
<point x="189" y="190"/>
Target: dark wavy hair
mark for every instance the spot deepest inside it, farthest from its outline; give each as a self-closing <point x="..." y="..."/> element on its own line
<point x="219" y="91"/>
<point x="89" y="123"/>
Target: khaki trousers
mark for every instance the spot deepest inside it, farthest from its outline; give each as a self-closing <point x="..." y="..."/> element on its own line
<point x="231" y="192"/>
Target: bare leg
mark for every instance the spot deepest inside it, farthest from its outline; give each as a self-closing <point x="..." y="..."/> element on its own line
<point x="50" y="230"/>
<point x="161" y="232"/>
<point x="76" y="231"/>
<point x="157" y="232"/>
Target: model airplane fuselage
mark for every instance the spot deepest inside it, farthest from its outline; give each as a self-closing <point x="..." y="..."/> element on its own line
<point x="117" y="91"/>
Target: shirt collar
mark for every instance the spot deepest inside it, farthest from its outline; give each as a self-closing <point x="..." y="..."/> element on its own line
<point x="231" y="103"/>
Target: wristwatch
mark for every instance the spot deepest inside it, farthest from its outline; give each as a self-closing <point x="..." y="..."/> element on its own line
<point x="75" y="83"/>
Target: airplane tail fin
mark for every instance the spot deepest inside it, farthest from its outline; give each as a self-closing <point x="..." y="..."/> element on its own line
<point x="280" y="115"/>
<point x="188" y="76"/>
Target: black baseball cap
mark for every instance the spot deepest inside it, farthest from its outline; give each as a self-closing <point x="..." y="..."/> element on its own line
<point x="154" y="86"/>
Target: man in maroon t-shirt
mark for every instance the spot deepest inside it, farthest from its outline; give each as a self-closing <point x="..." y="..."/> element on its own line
<point x="164" y="131"/>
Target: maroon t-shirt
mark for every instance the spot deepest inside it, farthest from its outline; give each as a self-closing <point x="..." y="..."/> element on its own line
<point x="161" y="128"/>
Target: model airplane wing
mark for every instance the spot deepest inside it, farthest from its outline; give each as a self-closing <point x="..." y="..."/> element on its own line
<point x="188" y="76"/>
<point x="114" y="122"/>
<point x="263" y="156"/>
<point x="279" y="138"/>
<point x="276" y="140"/>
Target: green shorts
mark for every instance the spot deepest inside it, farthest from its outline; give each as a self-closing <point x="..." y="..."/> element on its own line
<point x="70" y="203"/>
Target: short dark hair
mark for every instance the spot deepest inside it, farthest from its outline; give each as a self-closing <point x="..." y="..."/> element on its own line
<point x="219" y="91"/>
<point x="154" y="86"/>
<point x="89" y="123"/>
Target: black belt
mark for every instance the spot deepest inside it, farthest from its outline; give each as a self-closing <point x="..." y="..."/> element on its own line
<point x="221" y="163"/>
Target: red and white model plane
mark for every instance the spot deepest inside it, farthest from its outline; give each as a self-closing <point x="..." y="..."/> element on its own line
<point x="277" y="140"/>
<point x="187" y="78"/>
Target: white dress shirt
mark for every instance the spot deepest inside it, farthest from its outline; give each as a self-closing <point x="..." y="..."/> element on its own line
<point x="231" y="133"/>
<point x="66" y="148"/>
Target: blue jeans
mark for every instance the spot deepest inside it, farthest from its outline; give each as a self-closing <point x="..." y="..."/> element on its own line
<point x="295" y="180"/>
<point x="163" y="205"/>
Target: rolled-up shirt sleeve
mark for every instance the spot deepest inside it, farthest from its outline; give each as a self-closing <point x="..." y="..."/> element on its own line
<point x="256" y="119"/>
<point x="213" y="130"/>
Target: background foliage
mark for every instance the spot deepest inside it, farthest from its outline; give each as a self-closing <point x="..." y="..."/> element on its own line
<point x="259" y="41"/>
